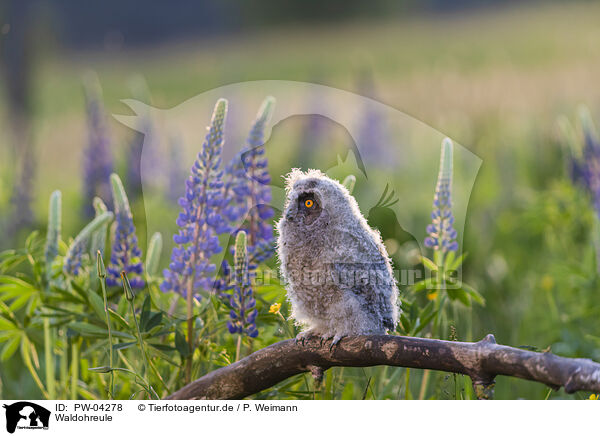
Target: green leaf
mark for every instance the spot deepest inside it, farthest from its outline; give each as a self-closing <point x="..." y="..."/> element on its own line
<point x="119" y="194"/>
<point x="429" y="264"/>
<point x="10" y="347"/>
<point x="426" y="310"/>
<point x="8" y="283"/>
<point x="6" y="324"/>
<point x="459" y="294"/>
<point x="154" y="321"/>
<point x="97" y="303"/>
<point x="145" y="313"/>
<point x="405" y="322"/>
<point x="457" y="262"/>
<point x="424" y="284"/>
<point x="119" y="318"/>
<point x="161" y="347"/>
<point x="19" y="303"/>
<point x="85" y="234"/>
<point x="348" y="392"/>
<point x="101" y="369"/>
<point x="423" y="322"/>
<point x="124" y="345"/>
<point x="181" y="344"/>
<point x="450" y="256"/>
<point x="90" y="330"/>
<point x="474" y="294"/>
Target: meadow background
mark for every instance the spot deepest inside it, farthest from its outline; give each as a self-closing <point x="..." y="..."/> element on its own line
<point x="494" y="78"/>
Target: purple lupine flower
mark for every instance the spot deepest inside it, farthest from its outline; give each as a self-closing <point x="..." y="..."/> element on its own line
<point x="248" y="181"/>
<point x="73" y="261"/>
<point x="125" y="253"/>
<point x="200" y="221"/>
<point x="441" y="232"/>
<point x="225" y="281"/>
<point x="243" y="304"/>
<point x="78" y="248"/>
<point x="98" y="164"/>
<point x="585" y="161"/>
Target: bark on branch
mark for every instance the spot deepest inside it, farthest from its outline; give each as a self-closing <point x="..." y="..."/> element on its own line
<point x="482" y="361"/>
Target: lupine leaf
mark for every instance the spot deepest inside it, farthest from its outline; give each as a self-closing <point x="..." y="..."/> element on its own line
<point x="429" y="264"/>
<point x="97" y="304"/>
<point x="10" y="347"/>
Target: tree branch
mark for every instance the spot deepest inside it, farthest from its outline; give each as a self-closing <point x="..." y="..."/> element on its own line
<point x="482" y="361"/>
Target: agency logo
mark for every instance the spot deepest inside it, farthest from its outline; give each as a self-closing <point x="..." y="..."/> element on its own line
<point x="26" y="415"/>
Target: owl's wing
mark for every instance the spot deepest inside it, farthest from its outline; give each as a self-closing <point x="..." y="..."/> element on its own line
<point x="357" y="247"/>
<point x="372" y="285"/>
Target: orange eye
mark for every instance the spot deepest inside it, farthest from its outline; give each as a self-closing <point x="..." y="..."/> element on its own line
<point x="308" y="203"/>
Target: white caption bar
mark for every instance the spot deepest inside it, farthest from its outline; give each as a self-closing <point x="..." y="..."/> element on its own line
<point x="88" y="418"/>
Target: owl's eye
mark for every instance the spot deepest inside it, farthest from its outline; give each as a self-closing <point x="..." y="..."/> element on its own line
<point x="309" y="203"/>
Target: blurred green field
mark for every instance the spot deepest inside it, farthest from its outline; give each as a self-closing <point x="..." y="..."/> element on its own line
<point x="495" y="81"/>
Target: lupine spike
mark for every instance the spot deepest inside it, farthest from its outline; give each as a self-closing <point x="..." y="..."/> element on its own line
<point x="98" y="163"/>
<point x="251" y="187"/>
<point x="125" y="254"/>
<point x="243" y="304"/>
<point x="54" y="229"/>
<point x="79" y="245"/>
<point x="585" y="157"/>
<point x="441" y="232"/>
<point x="201" y="219"/>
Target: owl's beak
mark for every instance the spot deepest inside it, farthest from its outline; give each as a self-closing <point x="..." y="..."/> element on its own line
<point x="289" y="215"/>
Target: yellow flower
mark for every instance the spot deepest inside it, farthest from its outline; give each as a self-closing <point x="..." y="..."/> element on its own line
<point x="275" y="308"/>
<point x="547" y="283"/>
<point x="432" y="296"/>
<point x="594" y="397"/>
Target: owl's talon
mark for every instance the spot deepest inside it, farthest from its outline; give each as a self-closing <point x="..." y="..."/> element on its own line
<point x="334" y="342"/>
<point x="303" y="336"/>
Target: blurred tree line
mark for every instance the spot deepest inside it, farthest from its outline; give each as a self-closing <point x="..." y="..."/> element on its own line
<point x="95" y="24"/>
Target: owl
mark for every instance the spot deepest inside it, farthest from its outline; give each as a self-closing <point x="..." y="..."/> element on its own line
<point x="339" y="276"/>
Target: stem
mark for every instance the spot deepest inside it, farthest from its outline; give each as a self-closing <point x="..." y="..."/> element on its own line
<point x="190" y="335"/>
<point x="407" y="390"/>
<point x="140" y="341"/>
<point x="424" y="382"/>
<point x="238" y="348"/>
<point x="74" y="369"/>
<point x="49" y="358"/>
<point x="31" y="368"/>
<point x="110" y="340"/>
<point x="64" y="366"/>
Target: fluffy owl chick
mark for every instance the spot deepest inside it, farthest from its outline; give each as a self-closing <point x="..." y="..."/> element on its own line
<point x="339" y="275"/>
